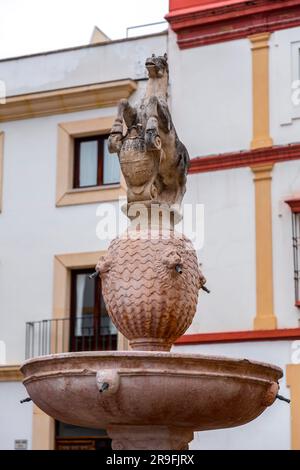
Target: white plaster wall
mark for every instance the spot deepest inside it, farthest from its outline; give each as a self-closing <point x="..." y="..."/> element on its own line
<point x="286" y="183"/>
<point x="228" y="254"/>
<point x="271" y="430"/>
<point x="284" y="70"/>
<point x="211" y="96"/>
<point x="112" y="61"/>
<point x="15" y="418"/>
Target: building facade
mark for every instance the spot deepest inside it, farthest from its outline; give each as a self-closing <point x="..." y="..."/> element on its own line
<point x="234" y="97"/>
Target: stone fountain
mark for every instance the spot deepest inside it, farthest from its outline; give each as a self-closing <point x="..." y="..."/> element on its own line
<point x="148" y="397"/>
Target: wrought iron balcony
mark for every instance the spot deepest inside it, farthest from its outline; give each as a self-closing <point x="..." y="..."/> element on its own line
<point x="68" y="335"/>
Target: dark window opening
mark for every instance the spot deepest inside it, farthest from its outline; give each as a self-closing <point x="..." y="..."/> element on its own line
<point x="294" y="204"/>
<point x="69" y="437"/>
<point x="91" y="326"/>
<point x="93" y="164"/>
<point x="296" y="254"/>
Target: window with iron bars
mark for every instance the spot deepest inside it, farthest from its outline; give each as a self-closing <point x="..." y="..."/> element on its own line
<point x="295" y="208"/>
<point x="296" y="254"/>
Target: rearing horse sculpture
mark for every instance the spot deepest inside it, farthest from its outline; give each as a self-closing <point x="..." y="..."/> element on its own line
<point x="153" y="160"/>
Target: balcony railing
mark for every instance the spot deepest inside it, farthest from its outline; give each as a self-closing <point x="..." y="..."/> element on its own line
<point x="68" y="335"/>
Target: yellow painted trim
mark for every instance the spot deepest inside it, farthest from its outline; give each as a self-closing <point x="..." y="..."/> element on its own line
<point x="10" y="373"/>
<point x="1" y="167"/>
<point x="293" y="381"/>
<point x="265" y="318"/>
<point x="65" y="195"/>
<point x="65" y="100"/>
<point x="80" y="260"/>
<point x="98" y="37"/>
<point x="43" y="430"/>
<point x="260" y="89"/>
<point x="62" y="278"/>
<point x="88" y="126"/>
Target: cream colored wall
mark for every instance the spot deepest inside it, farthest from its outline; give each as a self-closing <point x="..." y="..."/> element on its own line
<point x="284" y="70"/>
<point x="211" y="96"/>
<point x="228" y="255"/>
<point x="15" y="419"/>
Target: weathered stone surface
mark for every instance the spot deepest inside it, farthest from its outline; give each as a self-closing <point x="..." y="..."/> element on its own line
<point x="150" y="302"/>
<point x="167" y="392"/>
<point x="149" y="437"/>
<point x="153" y="160"/>
<point x="150" y="285"/>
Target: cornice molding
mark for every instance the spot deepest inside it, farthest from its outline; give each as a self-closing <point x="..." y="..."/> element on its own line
<point x="66" y="100"/>
<point x="250" y="158"/>
<point x="10" y="373"/>
<point x="240" y="336"/>
<point x="211" y="23"/>
<point x="294" y="203"/>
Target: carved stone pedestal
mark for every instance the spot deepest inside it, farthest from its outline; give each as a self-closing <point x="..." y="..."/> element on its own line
<point x="149" y="437"/>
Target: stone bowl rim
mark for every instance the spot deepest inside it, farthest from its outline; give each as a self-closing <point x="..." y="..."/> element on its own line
<point x="156" y="355"/>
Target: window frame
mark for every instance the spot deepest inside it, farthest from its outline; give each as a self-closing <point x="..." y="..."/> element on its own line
<point x="100" y="160"/>
<point x="296" y="254"/>
<point x="66" y="194"/>
<point x="96" y="341"/>
<point x="294" y="204"/>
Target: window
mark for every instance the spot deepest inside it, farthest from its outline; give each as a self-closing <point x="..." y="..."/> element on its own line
<point x="295" y="207"/>
<point x="91" y="327"/>
<point x="296" y="254"/>
<point x="93" y="164"/>
<point x="69" y="136"/>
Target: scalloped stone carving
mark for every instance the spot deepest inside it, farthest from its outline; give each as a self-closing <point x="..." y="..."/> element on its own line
<point x="150" y="287"/>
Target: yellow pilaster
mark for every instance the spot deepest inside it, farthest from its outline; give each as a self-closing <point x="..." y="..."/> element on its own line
<point x="265" y="318"/>
<point x="42" y="430"/>
<point x="260" y="85"/>
<point x="293" y="381"/>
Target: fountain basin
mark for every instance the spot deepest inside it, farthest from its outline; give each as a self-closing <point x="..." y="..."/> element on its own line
<point x="141" y="396"/>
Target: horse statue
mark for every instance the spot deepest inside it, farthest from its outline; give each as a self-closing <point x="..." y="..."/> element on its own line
<point x="153" y="160"/>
